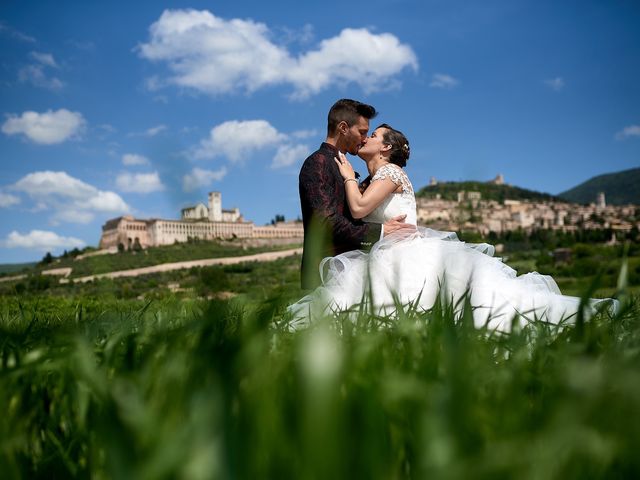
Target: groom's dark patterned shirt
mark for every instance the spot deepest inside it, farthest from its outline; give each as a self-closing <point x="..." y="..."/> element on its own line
<point x="329" y="228"/>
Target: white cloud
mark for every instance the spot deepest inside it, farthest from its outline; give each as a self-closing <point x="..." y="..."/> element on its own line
<point x="238" y="139"/>
<point x="217" y="56"/>
<point x="107" y="128"/>
<point x="303" y="35"/>
<point x="630" y="131"/>
<point x="44" y="58"/>
<point x="71" y="199"/>
<point x="442" y="80"/>
<point x="304" y="133"/>
<point x="72" y="216"/>
<point x="139" y="182"/>
<point x="287" y="155"/>
<point x="154" y="83"/>
<point x="199" y="178"/>
<point x="153" y="131"/>
<point x="8" y="200"/>
<point x="106" y="201"/>
<point x="45" y="128"/>
<point x="134" y="159"/>
<point x="149" y="132"/>
<point x="555" y="84"/>
<point x="34" y="74"/>
<point x="41" y="240"/>
<point x="13" y="33"/>
<point x="355" y="56"/>
<point x="48" y="183"/>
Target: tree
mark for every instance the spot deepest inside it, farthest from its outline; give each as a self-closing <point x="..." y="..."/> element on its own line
<point x="277" y="218"/>
<point x="47" y="259"/>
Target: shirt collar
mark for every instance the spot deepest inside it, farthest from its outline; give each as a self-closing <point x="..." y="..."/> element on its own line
<point x="328" y="146"/>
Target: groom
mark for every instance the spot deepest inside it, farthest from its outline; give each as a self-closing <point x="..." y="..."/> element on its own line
<point x="329" y="228"/>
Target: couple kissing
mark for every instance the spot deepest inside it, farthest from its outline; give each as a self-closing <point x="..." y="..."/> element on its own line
<point x="362" y="244"/>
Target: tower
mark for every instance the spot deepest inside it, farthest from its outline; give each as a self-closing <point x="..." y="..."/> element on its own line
<point x="215" y="206"/>
<point x="499" y="180"/>
<point x="600" y="201"/>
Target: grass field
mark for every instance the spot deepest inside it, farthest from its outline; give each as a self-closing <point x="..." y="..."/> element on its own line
<point x="177" y="252"/>
<point x="175" y="385"/>
<point x="187" y="389"/>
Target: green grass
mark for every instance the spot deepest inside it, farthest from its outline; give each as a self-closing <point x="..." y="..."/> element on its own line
<point x="178" y="252"/>
<point x="123" y="379"/>
<point x="588" y="263"/>
<point x="194" y="389"/>
<point x="14" y="268"/>
<point x="254" y="281"/>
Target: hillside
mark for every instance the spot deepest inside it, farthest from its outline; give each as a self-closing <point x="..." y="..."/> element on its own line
<point x="619" y="188"/>
<point x="489" y="191"/>
<point x="12" y="268"/>
<point x="179" y="252"/>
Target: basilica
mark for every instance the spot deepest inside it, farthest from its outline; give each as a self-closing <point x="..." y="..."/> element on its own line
<point x="206" y="222"/>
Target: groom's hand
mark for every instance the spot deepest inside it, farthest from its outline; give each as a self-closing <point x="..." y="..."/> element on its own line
<point x="396" y="226"/>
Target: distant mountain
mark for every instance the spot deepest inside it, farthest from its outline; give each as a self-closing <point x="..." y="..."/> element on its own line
<point x="489" y="191"/>
<point x="619" y="188"/>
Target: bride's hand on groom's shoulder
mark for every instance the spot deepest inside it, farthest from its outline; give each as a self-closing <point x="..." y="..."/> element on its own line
<point x="346" y="170"/>
<point x="397" y="226"/>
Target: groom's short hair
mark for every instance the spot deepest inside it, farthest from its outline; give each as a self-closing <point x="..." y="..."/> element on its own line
<point x="347" y="110"/>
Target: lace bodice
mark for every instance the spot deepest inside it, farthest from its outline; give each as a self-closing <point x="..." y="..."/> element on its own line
<point x="397" y="203"/>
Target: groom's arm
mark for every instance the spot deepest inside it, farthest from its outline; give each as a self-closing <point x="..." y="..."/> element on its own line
<point x="325" y="195"/>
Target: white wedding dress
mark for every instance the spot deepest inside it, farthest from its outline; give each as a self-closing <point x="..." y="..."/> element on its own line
<point x="429" y="266"/>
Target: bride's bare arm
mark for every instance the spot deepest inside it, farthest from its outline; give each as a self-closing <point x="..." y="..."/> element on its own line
<point x="361" y="204"/>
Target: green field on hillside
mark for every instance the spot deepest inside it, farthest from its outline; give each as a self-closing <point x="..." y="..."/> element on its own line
<point x="13" y="268"/>
<point x="178" y="252"/>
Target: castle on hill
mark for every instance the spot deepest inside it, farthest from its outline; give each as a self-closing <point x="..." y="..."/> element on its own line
<point x="205" y="222"/>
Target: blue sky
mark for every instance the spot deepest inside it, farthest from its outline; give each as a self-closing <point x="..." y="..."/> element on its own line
<point x="143" y="107"/>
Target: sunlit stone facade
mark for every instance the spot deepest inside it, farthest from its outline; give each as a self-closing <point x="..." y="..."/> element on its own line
<point x="198" y="222"/>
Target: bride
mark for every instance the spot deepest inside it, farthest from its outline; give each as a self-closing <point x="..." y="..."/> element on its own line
<point x="425" y="266"/>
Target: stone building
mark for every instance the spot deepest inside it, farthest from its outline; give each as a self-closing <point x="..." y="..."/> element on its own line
<point x="214" y="212"/>
<point x="499" y="180"/>
<point x="197" y="222"/>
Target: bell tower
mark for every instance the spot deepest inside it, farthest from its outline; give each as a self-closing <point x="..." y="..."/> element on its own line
<point x="215" y="206"/>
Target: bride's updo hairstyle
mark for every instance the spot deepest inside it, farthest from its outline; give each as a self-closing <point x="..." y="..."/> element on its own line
<point x="399" y="145"/>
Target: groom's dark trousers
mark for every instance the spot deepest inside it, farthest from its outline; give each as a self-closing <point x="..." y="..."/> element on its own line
<point x="329" y="228"/>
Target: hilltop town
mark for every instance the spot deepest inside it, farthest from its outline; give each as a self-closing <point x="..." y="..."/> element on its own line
<point x="471" y="212"/>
